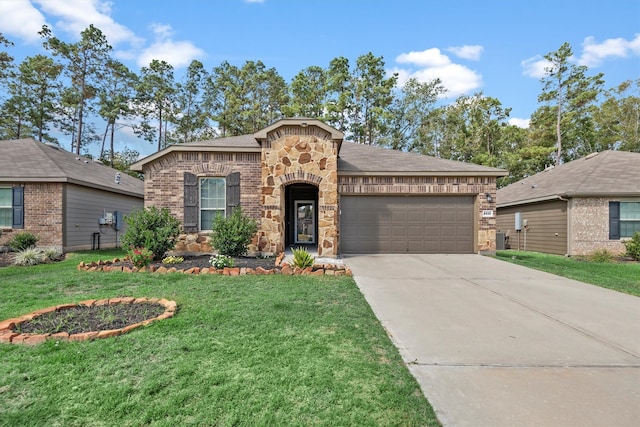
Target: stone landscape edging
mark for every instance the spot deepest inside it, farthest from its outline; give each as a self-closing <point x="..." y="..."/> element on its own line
<point x="280" y="267"/>
<point x="9" y="336"/>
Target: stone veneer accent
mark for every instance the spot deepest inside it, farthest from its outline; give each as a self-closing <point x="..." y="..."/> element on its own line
<point x="485" y="241"/>
<point x="292" y="154"/>
<point x="589" y="226"/>
<point x="43" y="212"/>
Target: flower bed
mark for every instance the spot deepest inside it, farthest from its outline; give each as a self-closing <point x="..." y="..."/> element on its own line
<point x="279" y="267"/>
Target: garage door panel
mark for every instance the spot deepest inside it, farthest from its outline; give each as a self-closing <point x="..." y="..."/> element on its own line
<point x="401" y="224"/>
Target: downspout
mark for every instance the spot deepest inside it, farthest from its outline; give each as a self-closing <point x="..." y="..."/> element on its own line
<point x="569" y="225"/>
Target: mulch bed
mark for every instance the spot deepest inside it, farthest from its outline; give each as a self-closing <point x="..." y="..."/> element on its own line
<point x="81" y="318"/>
<point x="202" y="261"/>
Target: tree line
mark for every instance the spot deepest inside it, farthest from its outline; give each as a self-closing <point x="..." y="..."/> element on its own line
<point x="80" y="84"/>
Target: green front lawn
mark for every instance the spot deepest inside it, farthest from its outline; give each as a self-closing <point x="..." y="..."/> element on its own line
<point x="248" y="350"/>
<point x="621" y="277"/>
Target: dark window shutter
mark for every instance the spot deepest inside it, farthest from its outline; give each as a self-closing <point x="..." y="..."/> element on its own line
<point x="190" y="203"/>
<point x="233" y="192"/>
<point x="18" y="207"/>
<point x="614" y="220"/>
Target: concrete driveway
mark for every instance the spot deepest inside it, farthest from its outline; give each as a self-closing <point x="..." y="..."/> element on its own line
<point x="495" y="344"/>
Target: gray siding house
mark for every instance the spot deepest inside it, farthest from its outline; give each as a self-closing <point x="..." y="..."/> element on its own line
<point x="576" y="208"/>
<point x="66" y="200"/>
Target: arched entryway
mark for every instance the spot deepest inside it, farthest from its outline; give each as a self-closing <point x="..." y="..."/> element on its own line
<point x="301" y="215"/>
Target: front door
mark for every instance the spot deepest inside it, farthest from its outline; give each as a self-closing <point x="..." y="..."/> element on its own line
<point x="305" y="225"/>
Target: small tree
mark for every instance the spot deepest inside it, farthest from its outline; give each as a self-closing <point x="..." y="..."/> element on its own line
<point x="231" y="236"/>
<point x="151" y="228"/>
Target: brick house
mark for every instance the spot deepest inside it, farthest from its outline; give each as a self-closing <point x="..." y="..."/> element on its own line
<point x="306" y="186"/>
<point x="61" y="197"/>
<point x="576" y="208"/>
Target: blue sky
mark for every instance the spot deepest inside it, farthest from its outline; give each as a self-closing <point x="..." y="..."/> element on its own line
<point x="491" y="46"/>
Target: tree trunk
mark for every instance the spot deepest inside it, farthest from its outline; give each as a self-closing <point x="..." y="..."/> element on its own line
<point x="113" y="131"/>
<point x="104" y="138"/>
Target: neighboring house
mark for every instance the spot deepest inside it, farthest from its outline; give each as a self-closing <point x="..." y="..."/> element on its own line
<point x="306" y="186"/>
<point x="576" y="208"/>
<point x="62" y="198"/>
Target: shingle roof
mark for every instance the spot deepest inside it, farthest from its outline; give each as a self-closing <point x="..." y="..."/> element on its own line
<point x="609" y="173"/>
<point x="369" y="160"/>
<point x="354" y="159"/>
<point x="27" y="160"/>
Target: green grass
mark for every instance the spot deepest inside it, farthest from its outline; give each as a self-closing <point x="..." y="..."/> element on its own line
<point x="249" y="350"/>
<point x="621" y="277"/>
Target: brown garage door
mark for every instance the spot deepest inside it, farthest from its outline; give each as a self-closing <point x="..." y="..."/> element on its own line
<point x="406" y="224"/>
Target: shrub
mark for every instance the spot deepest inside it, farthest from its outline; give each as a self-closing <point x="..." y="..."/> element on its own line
<point x="172" y="260"/>
<point x="29" y="256"/>
<point x="601" y="255"/>
<point x="633" y="246"/>
<point x="221" y="261"/>
<point x="302" y="258"/>
<point x="51" y="254"/>
<point x="22" y="241"/>
<point x="231" y="236"/>
<point x="140" y="257"/>
<point x="153" y="229"/>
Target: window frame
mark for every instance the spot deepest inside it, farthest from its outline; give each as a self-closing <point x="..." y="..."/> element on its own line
<point x="626" y="221"/>
<point x="223" y="210"/>
<point x="8" y="207"/>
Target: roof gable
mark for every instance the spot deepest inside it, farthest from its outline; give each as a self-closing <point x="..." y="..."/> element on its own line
<point x="28" y="160"/>
<point x="608" y="173"/>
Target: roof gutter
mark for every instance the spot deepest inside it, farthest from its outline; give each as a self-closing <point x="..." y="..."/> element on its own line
<point x="535" y="200"/>
<point x="422" y="173"/>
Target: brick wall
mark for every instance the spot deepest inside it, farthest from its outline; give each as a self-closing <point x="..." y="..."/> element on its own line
<point x="42" y="214"/>
<point x="164" y="185"/>
<point x="589" y="226"/>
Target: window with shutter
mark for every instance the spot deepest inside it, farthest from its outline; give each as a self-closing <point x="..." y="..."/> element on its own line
<point x="190" y="203"/>
<point x="233" y="192"/>
<point x="614" y="220"/>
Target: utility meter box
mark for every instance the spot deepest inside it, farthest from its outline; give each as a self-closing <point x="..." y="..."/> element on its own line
<point x="117" y="220"/>
<point x="518" y="225"/>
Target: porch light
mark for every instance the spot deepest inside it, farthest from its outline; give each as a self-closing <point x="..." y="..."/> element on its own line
<point x="489" y="197"/>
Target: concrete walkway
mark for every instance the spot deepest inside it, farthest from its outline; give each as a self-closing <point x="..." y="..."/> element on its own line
<point x="495" y="344"/>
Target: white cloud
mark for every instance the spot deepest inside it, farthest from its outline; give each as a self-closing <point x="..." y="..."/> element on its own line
<point x="426" y="58"/>
<point x="76" y="15"/>
<point x="594" y="53"/>
<point x="431" y="64"/>
<point x="177" y="53"/>
<point x="535" y="66"/>
<point x="19" y="18"/>
<point x="162" y="31"/>
<point x="521" y="123"/>
<point x="471" y="52"/>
